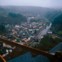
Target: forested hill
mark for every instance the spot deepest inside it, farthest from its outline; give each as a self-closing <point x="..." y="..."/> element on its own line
<point x="57" y="25"/>
<point x="12" y="18"/>
<point x="12" y="14"/>
<point x="27" y="11"/>
<point x="51" y="15"/>
<point x="33" y="11"/>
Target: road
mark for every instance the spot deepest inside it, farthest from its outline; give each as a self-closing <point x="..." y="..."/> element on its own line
<point x="44" y="31"/>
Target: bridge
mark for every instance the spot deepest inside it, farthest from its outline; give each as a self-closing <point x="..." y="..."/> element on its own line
<point x="20" y="50"/>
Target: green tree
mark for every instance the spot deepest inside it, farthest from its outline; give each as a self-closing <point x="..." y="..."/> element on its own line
<point x="2" y="29"/>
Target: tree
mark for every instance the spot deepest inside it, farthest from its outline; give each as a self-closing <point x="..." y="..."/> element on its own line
<point x="57" y="25"/>
<point x="2" y="29"/>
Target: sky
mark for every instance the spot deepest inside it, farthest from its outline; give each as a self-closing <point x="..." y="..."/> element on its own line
<point x="41" y="3"/>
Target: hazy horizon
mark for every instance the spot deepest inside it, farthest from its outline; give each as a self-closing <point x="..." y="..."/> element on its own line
<point x="38" y="3"/>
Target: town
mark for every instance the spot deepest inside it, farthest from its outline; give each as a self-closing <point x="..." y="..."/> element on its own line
<point x="27" y="32"/>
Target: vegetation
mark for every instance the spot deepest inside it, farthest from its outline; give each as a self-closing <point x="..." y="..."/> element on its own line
<point x="2" y="29"/>
<point x="48" y="42"/>
<point x="12" y="18"/>
<point x="57" y="25"/>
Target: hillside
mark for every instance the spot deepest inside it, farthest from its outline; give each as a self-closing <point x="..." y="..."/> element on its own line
<point x="42" y="12"/>
<point x="31" y="10"/>
<point x="57" y="25"/>
<point x="12" y="18"/>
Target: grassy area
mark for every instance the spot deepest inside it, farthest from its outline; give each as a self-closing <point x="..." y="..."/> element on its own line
<point x="48" y="42"/>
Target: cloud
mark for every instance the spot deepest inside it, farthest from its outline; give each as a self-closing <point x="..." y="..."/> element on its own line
<point x="24" y="2"/>
<point x="43" y="3"/>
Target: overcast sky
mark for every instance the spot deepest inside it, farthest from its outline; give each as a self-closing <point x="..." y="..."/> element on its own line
<point x="42" y="3"/>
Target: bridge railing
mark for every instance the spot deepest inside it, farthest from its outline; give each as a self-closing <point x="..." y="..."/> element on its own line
<point x="2" y="59"/>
